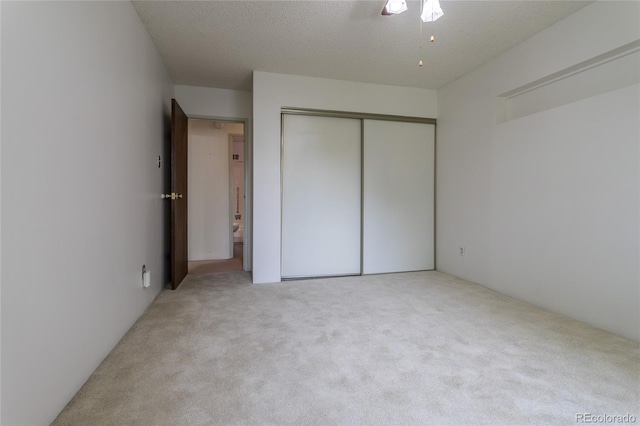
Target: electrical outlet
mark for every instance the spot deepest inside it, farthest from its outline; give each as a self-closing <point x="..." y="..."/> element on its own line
<point x="461" y="250"/>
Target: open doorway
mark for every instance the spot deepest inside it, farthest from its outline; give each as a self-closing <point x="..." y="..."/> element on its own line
<point x="216" y="201"/>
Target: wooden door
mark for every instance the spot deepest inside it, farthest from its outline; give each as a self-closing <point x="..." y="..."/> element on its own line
<point x="178" y="200"/>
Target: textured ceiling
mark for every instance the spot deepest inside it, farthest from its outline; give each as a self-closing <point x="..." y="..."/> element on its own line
<point x="220" y="43"/>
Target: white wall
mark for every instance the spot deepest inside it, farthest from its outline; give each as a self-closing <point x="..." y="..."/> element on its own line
<point x="547" y="204"/>
<point x="271" y="92"/>
<point x="85" y="107"/>
<point x="206" y="102"/>
<point x="209" y="102"/>
<point x="209" y="210"/>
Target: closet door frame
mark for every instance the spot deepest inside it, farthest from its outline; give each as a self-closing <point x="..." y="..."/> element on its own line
<point x="362" y="116"/>
<point x="356" y="115"/>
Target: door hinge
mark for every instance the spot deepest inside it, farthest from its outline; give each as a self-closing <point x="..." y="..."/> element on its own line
<point x="172" y="196"/>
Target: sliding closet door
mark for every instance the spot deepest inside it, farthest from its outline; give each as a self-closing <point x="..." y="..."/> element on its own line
<point x="321" y="196"/>
<point x="398" y="227"/>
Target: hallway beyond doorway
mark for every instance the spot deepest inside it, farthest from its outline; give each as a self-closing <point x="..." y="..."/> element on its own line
<point x="213" y="266"/>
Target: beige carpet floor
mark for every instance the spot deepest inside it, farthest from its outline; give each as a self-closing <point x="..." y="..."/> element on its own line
<point x="400" y="349"/>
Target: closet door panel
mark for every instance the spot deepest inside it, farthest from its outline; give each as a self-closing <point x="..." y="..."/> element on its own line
<point x="398" y="197"/>
<point x="321" y="196"/>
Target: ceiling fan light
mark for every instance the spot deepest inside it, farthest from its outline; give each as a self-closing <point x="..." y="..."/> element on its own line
<point x="431" y="11"/>
<point x="394" y="7"/>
